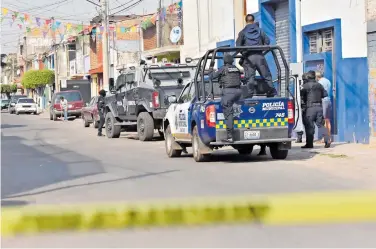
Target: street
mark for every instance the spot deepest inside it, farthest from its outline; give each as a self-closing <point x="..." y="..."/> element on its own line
<point x="46" y="162"/>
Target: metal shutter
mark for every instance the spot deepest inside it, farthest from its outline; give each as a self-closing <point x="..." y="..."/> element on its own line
<point x="371" y="37"/>
<point x="282" y="28"/>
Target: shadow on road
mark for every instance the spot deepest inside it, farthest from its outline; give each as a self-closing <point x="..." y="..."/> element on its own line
<point x="12" y="203"/>
<point x="27" y="167"/>
<point x="8" y="126"/>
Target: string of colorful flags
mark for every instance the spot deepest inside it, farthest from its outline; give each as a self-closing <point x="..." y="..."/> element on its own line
<point x="42" y="26"/>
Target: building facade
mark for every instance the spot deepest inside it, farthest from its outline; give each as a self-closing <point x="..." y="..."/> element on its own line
<point x="371" y="44"/>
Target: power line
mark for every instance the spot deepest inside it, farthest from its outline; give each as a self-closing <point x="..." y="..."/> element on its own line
<point x="128" y="7"/>
<point x="121" y="5"/>
<point x="45" y="6"/>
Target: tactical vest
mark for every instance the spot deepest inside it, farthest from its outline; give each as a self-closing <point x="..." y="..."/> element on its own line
<point x="230" y="77"/>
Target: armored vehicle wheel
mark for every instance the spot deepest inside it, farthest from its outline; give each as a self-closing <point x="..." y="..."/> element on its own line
<point x="112" y="130"/>
<point x="95" y="123"/>
<point x="145" y="126"/>
<point x="169" y="144"/>
<point x="196" y="146"/>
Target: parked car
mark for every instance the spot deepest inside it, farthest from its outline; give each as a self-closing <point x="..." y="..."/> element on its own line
<point x="5" y="104"/>
<point x="90" y="113"/>
<point x="13" y="102"/>
<point x="75" y="104"/>
<point x="26" y="105"/>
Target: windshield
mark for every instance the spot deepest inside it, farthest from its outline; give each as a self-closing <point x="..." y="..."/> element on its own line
<point x="29" y="101"/>
<point x="170" y="77"/>
<point x="5" y="100"/>
<point x="69" y="96"/>
<point x="15" y="98"/>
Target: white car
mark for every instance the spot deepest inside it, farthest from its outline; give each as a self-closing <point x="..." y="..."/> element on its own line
<point x="26" y="105"/>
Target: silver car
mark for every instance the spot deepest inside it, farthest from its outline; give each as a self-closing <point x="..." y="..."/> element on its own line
<point x="26" y="105"/>
<point x="13" y="102"/>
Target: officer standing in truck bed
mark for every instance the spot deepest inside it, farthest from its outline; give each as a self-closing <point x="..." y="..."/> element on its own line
<point x="312" y="95"/>
<point x="230" y="80"/>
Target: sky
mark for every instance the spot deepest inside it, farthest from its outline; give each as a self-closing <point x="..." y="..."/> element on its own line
<point x="73" y="11"/>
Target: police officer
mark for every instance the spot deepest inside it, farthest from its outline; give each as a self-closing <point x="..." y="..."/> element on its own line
<point x="229" y="78"/>
<point x="101" y="106"/>
<point x="252" y="35"/>
<point x="312" y="95"/>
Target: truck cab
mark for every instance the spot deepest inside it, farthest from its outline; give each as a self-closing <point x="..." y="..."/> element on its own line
<point x="195" y="119"/>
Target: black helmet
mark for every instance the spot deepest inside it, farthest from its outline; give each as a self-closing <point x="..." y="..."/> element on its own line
<point x="102" y="93"/>
<point x="228" y="59"/>
<point x="311" y="75"/>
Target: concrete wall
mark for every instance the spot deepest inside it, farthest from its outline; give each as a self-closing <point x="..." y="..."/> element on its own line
<point x="216" y="19"/>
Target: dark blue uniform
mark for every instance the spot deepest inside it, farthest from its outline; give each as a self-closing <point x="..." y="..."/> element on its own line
<point x="230" y="80"/>
<point x="252" y="35"/>
<point x="312" y="95"/>
<point x="101" y="106"/>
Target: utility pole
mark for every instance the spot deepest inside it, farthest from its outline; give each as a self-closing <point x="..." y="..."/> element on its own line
<point x="160" y="25"/>
<point x="25" y="46"/>
<point x="105" y="43"/>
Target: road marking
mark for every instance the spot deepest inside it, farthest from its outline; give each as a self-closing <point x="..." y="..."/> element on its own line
<point x="305" y="208"/>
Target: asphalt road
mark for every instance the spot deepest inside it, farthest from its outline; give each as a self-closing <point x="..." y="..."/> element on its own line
<point x="46" y="162"/>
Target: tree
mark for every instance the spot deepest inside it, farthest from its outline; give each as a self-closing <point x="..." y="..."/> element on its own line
<point x="33" y="79"/>
<point x="8" y="89"/>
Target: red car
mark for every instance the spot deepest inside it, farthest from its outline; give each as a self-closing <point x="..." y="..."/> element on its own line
<point x="75" y="104"/>
<point x="90" y="113"/>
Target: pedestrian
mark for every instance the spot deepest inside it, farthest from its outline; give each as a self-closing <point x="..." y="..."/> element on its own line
<point x="312" y="95"/>
<point x="64" y="107"/>
<point x="326" y="102"/>
<point x="101" y="106"/>
<point x="229" y="77"/>
<point x="252" y="35"/>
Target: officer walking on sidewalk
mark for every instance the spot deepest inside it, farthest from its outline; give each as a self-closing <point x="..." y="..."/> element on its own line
<point x="312" y="95"/>
<point x="100" y="106"/>
<point x="230" y="80"/>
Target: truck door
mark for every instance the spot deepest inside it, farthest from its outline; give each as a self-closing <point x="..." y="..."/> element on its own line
<point x="182" y="113"/>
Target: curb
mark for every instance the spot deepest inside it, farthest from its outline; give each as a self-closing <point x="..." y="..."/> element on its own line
<point x="292" y="209"/>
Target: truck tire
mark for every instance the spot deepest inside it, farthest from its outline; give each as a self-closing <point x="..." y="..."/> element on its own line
<point x="86" y="123"/>
<point x="169" y="142"/>
<point x="145" y="126"/>
<point x="277" y="153"/>
<point x="54" y="117"/>
<point x="112" y="130"/>
<point x="196" y="146"/>
<point x="51" y="118"/>
<point x="244" y="150"/>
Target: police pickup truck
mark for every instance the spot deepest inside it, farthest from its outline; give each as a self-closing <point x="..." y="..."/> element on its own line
<point x="139" y="98"/>
<point x="195" y="119"/>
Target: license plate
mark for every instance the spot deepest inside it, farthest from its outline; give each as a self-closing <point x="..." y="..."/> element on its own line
<point x="251" y="135"/>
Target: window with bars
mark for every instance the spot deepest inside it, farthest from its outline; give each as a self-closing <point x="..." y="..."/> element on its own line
<point x="320" y="41"/>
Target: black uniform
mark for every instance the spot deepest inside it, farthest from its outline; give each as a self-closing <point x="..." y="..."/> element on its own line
<point x="101" y="106"/>
<point x="230" y="80"/>
<point x="312" y="95"/>
<point x="252" y="35"/>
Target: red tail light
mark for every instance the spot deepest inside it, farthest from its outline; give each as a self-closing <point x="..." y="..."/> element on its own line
<point x="210" y="116"/>
<point x="290" y="109"/>
<point x="155" y="98"/>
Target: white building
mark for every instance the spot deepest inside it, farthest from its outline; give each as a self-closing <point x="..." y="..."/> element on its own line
<point x="325" y="35"/>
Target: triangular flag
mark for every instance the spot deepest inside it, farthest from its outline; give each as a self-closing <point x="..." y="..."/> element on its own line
<point x="69" y="26"/>
<point x="61" y="36"/>
<point x="44" y="34"/>
<point x="122" y="30"/>
<point x="4" y="11"/>
<point x="47" y="22"/>
<point x="15" y="13"/>
<point x="28" y="29"/>
<point x="22" y="19"/>
<point x="102" y="29"/>
<point x="27" y="17"/>
<point x="37" y="20"/>
<point x="99" y="36"/>
<point x="79" y="28"/>
<point x="57" y="23"/>
<point x="20" y="26"/>
<point x="14" y="18"/>
<point x="134" y="29"/>
<point x="180" y="3"/>
<point x="153" y="20"/>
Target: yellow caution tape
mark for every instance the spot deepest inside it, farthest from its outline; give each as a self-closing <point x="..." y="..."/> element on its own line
<point x="304" y="208"/>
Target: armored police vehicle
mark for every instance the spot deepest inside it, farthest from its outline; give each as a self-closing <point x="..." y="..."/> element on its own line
<point x="195" y="119"/>
<point x="139" y="98"/>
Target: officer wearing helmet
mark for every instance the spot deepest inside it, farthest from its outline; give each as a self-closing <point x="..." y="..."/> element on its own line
<point x="101" y="106"/>
<point x="229" y="78"/>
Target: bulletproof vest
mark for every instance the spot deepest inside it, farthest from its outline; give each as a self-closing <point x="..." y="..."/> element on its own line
<point x="314" y="95"/>
<point x="100" y="103"/>
<point x="230" y="77"/>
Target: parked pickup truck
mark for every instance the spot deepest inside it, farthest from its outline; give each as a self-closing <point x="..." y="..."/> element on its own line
<point x="195" y="119"/>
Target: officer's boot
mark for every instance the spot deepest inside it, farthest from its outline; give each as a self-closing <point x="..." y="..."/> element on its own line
<point x="230" y="137"/>
<point x="309" y="142"/>
<point x="299" y="140"/>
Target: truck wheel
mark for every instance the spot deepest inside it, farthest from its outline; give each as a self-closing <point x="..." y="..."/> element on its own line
<point x="246" y="150"/>
<point x="277" y="153"/>
<point x="169" y="144"/>
<point x="51" y="118"/>
<point x="112" y="130"/>
<point x="145" y="126"/>
<point x="86" y="123"/>
<point x="54" y="117"/>
<point x="196" y="146"/>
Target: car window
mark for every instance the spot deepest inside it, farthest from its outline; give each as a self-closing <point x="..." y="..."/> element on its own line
<point x="69" y="96"/>
<point x="92" y="101"/>
<point x="184" y="97"/>
<point x="29" y="101"/>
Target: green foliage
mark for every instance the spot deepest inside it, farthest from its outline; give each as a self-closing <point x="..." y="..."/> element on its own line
<point x="8" y="88"/>
<point x="37" y="78"/>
